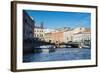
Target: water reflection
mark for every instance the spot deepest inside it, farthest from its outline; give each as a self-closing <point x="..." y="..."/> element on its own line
<point x="58" y="55"/>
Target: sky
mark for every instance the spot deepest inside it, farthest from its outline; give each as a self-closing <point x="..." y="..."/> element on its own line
<point x="55" y="19"/>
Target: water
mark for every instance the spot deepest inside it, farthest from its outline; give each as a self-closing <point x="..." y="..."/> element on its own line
<point x="59" y="55"/>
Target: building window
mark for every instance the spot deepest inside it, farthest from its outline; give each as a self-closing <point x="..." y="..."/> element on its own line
<point x="35" y="30"/>
<point x="25" y="20"/>
<point x="37" y="35"/>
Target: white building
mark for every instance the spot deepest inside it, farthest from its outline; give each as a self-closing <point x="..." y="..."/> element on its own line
<point x="79" y="34"/>
<point x="39" y="32"/>
<point x="82" y="37"/>
<point x="78" y="29"/>
<point x="68" y="36"/>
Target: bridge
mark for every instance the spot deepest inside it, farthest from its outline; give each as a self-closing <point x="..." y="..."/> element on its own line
<point x="51" y="47"/>
<point x="39" y="46"/>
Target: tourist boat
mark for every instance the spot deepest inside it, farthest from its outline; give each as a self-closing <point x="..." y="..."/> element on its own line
<point x="47" y="48"/>
<point x="88" y="47"/>
<point x="80" y="46"/>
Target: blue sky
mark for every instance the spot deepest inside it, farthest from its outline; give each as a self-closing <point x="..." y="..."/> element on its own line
<point x="53" y="19"/>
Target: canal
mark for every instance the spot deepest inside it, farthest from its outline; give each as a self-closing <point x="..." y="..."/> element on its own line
<point x="60" y="54"/>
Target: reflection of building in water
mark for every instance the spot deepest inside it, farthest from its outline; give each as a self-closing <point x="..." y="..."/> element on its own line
<point x="39" y="32"/>
<point x="28" y="28"/>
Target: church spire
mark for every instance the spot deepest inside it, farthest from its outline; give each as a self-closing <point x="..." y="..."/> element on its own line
<point x="42" y="26"/>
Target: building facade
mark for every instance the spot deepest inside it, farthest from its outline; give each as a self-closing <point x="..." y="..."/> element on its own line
<point x="83" y="37"/>
<point x="68" y="36"/>
<point x="39" y="32"/>
<point x="28" y="26"/>
<point x="79" y="34"/>
<point x="57" y="37"/>
<point x="48" y="37"/>
<point x="78" y="29"/>
<point x="48" y="34"/>
<point x="28" y="31"/>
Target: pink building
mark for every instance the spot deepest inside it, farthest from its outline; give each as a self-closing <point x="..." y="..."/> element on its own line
<point x="57" y="37"/>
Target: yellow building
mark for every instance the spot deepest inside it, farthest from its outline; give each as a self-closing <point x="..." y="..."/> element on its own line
<point x="48" y="37"/>
<point x="48" y="33"/>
